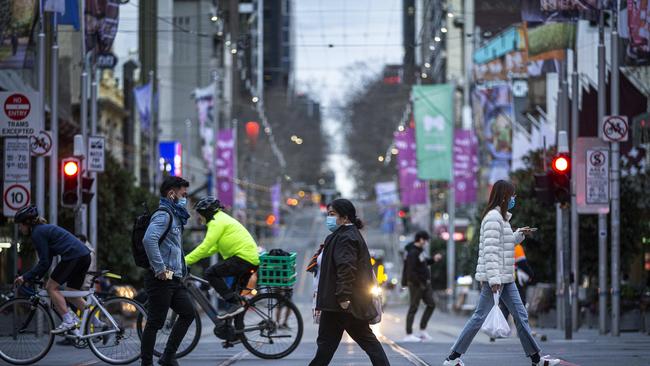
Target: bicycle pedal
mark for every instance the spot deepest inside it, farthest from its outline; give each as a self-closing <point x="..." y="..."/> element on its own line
<point x="227" y="344"/>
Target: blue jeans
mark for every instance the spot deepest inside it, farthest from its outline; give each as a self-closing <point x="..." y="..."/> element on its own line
<point x="510" y="297"/>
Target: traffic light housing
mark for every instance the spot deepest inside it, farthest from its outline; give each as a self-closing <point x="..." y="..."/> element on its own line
<point x="544" y="188"/>
<point x="561" y="178"/>
<point x="70" y="182"/>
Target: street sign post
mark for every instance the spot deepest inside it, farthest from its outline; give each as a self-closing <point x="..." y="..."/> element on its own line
<point x="41" y="143"/>
<point x="615" y="128"/>
<point x="19" y="114"/>
<point x="96" y="153"/>
<point x="592" y="174"/>
<point x="17" y="160"/>
<point x="15" y="196"/>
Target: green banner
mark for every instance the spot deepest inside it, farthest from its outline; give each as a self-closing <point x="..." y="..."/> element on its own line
<point x="433" y="109"/>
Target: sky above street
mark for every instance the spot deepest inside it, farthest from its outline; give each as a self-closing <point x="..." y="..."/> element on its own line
<point x="331" y="37"/>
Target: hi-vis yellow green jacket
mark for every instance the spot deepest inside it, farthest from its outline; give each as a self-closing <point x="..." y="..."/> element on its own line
<point x="227" y="237"/>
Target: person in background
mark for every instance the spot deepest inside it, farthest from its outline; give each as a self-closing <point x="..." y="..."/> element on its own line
<point x="344" y="296"/>
<point x="163" y="281"/>
<point x="50" y="241"/>
<point x="495" y="273"/>
<point x="418" y="280"/>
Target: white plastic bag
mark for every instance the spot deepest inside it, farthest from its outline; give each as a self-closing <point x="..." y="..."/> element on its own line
<point x="496" y="325"/>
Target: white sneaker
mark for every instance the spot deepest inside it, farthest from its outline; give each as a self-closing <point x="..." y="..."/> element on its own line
<point x="64" y="327"/>
<point x="412" y="338"/>
<point x="456" y="362"/>
<point x="547" y="361"/>
<point x="425" y="336"/>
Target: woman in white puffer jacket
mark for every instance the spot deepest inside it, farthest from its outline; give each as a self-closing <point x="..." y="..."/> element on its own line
<point x="495" y="273"/>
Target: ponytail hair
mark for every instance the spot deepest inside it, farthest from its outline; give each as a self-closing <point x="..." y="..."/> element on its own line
<point x="346" y="209"/>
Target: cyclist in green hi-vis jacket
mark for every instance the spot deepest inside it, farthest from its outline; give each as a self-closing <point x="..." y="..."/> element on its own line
<point x="233" y="242"/>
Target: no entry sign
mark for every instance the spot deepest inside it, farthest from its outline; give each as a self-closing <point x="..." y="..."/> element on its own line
<point x="20" y="114"/>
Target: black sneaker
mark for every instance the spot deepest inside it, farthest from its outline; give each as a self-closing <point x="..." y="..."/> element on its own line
<point x="232" y="309"/>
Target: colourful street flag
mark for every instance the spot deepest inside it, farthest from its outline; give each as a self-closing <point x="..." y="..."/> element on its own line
<point x="142" y="95"/>
<point x="433" y="108"/>
<point x="465" y="166"/>
<point x="226" y="167"/>
<point x="412" y="190"/>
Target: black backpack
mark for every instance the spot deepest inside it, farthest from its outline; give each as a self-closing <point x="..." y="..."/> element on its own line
<point x="140" y="225"/>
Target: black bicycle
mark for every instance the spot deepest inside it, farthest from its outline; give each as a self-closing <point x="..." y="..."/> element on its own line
<point x="270" y="327"/>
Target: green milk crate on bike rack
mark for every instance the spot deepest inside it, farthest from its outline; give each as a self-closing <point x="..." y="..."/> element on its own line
<point x="277" y="271"/>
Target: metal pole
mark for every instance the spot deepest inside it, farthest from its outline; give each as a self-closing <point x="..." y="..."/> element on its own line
<point x="468" y="51"/>
<point x="54" y="126"/>
<point x="566" y="237"/>
<point x="559" y="300"/>
<point x="40" y="162"/>
<point x="260" y="50"/>
<point x="615" y="189"/>
<point x="575" y="219"/>
<point x="451" y="247"/>
<point x="93" y="175"/>
<point x="80" y="213"/>
<point x="152" y="133"/>
<point x="602" y="218"/>
<point x="559" y="237"/>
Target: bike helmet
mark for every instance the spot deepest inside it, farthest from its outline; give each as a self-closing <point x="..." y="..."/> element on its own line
<point x="208" y="206"/>
<point x="26" y="214"/>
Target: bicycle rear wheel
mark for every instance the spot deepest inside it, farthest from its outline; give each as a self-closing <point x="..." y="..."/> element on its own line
<point x="122" y="345"/>
<point x="272" y="326"/>
<point x="25" y="330"/>
<point x="188" y="343"/>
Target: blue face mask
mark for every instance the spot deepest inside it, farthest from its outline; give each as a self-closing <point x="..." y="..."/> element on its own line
<point x="182" y="201"/>
<point x="511" y="204"/>
<point x="330" y="222"/>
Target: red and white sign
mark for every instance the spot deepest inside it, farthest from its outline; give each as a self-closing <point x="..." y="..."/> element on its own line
<point x="20" y="114"/>
<point x="41" y="144"/>
<point x="591" y="174"/>
<point x="615" y="128"/>
<point x="14" y="197"/>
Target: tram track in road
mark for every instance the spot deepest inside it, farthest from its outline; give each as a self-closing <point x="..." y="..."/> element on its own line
<point x="410" y="356"/>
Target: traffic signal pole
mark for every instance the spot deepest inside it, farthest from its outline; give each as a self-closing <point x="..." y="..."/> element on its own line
<point x="602" y="217"/>
<point x="563" y="147"/>
<point x="40" y="162"/>
<point x="575" y="219"/>
<point x="54" y="126"/>
<point x="92" y="232"/>
<point x="615" y="208"/>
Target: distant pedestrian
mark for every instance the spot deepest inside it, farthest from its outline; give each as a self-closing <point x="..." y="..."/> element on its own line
<point x="345" y="281"/>
<point x="14" y="43"/>
<point x="495" y="272"/>
<point x="163" y="281"/>
<point x="418" y="280"/>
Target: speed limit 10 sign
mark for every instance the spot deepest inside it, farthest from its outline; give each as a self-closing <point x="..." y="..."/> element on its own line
<point x="14" y="197"/>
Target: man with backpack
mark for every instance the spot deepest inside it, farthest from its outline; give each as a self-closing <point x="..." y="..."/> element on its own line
<point x="162" y="243"/>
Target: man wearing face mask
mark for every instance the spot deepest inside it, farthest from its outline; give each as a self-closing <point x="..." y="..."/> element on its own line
<point x="163" y="281"/>
<point x="227" y="237"/>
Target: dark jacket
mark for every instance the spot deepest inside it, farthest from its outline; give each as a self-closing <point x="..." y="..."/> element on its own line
<point x="50" y="241"/>
<point x="417" y="266"/>
<point x="346" y="274"/>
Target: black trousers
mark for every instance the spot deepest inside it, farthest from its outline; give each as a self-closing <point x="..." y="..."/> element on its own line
<point x="330" y="331"/>
<point x="163" y="294"/>
<point x="233" y="266"/>
<point x="419" y="293"/>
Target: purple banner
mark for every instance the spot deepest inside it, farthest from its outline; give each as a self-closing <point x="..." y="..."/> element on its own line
<point x="465" y="166"/>
<point x="412" y="190"/>
<point x="276" y="197"/>
<point x="226" y="167"/>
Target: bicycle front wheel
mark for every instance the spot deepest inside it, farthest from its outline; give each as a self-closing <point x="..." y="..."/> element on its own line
<point x="117" y="346"/>
<point x="272" y="326"/>
<point x="25" y="331"/>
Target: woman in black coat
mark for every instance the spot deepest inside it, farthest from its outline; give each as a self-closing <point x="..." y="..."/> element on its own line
<point x="344" y="296"/>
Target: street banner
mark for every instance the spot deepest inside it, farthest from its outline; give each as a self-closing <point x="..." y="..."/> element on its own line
<point x="592" y="175"/>
<point x="204" y="106"/>
<point x="493" y="117"/>
<point x="276" y="196"/>
<point x="465" y="166"/>
<point x="102" y="19"/>
<point x="412" y="190"/>
<point x="171" y="157"/>
<point x="433" y="109"/>
<point x="54" y="6"/>
<point x="143" y="95"/>
<point x="225" y="161"/>
<point x="20" y="114"/>
<point x="387" y="200"/>
<point x="17" y="21"/>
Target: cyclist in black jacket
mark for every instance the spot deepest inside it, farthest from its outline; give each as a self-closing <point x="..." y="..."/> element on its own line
<point x="418" y="279"/>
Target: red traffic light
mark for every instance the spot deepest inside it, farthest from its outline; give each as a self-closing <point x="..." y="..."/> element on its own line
<point x="71" y="168"/>
<point x="402" y="214"/>
<point x="561" y="164"/>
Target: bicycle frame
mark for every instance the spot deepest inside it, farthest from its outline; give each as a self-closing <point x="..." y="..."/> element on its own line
<point x="91" y="302"/>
